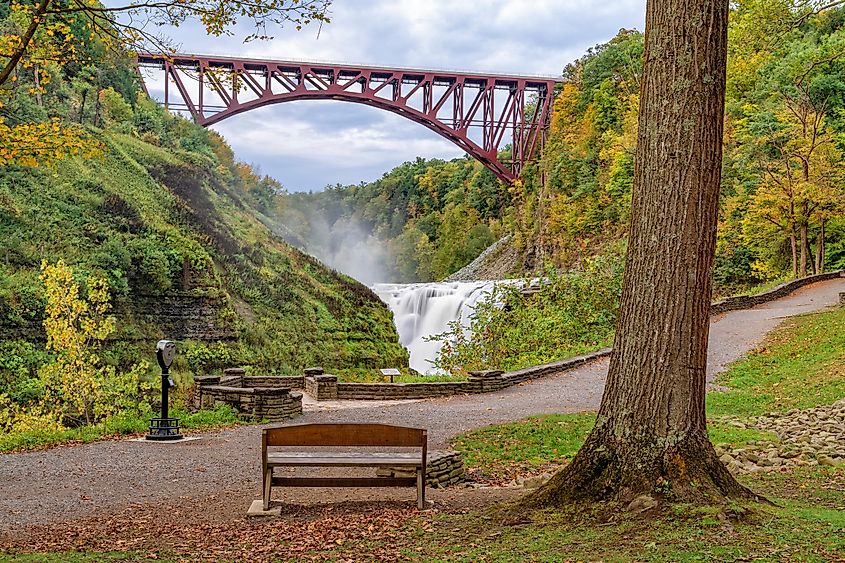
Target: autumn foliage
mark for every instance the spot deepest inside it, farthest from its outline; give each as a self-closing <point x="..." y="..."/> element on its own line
<point x="78" y="387"/>
<point x="34" y="144"/>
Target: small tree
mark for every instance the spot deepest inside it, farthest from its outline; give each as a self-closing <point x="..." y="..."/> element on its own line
<point x="77" y="385"/>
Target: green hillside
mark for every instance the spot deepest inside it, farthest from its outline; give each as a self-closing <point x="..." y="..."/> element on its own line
<point x="186" y="257"/>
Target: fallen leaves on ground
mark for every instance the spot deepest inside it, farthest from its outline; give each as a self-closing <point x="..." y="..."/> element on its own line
<point x="373" y="531"/>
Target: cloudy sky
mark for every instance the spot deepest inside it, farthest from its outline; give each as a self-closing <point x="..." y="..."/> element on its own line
<point x="307" y="145"/>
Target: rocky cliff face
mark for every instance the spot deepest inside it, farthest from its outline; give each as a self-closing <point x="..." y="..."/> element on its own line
<point x="501" y="260"/>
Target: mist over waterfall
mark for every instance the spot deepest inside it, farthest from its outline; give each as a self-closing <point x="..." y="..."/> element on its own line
<point x="424" y="309"/>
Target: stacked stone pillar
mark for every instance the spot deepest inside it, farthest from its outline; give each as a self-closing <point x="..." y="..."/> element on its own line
<point x="321" y="386"/>
<point x="488" y="380"/>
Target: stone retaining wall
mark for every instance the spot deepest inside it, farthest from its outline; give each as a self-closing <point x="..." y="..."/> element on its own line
<point x="386" y="391"/>
<point x="274" y="403"/>
<point x="294" y="382"/>
<point x="443" y="468"/>
<point x="325" y="387"/>
<point x="236" y="377"/>
<point x="784" y="289"/>
<point x="478" y="382"/>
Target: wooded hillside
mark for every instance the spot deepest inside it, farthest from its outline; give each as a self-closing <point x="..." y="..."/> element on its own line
<point x="783" y="191"/>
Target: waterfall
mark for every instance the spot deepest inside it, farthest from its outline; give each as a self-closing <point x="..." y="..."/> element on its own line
<point x="424" y="309"/>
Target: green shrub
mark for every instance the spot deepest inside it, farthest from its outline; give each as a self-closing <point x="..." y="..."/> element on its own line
<point x="202" y="357"/>
<point x="115" y="108"/>
<point x="570" y="314"/>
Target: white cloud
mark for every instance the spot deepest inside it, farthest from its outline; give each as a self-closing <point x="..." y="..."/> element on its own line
<point x="314" y="135"/>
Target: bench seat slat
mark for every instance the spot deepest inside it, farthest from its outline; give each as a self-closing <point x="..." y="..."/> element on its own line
<point x="345" y="481"/>
<point x="342" y="459"/>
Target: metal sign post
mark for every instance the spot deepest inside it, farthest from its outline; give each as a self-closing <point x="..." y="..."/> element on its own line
<point x="165" y="428"/>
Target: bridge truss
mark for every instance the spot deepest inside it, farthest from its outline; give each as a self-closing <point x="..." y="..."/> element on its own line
<point x="483" y="114"/>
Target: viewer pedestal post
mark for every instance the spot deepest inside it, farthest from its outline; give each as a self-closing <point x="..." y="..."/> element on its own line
<point x="165" y="428"/>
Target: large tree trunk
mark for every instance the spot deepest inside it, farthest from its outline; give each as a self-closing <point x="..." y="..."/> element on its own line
<point x="650" y="435"/>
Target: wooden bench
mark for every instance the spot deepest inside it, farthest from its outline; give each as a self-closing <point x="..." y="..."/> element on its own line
<point x="344" y="435"/>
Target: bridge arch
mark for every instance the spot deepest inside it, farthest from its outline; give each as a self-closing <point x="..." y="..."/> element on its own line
<point x="504" y="110"/>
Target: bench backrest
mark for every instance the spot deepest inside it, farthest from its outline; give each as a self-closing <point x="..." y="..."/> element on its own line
<point x="344" y="435"/>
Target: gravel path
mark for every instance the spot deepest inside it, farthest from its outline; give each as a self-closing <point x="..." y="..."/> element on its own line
<point x="105" y="478"/>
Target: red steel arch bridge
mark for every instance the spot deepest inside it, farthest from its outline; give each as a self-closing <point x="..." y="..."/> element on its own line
<point x="481" y="113"/>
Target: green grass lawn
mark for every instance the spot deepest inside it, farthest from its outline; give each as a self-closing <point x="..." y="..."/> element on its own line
<point x="121" y="425"/>
<point x="541" y="443"/>
<point x="800" y="365"/>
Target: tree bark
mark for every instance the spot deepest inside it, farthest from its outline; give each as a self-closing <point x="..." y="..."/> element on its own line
<point x="803" y="242"/>
<point x="650" y="435"/>
<point x="820" y="249"/>
<point x="37" y="82"/>
<point x="17" y="54"/>
<point x="811" y="264"/>
<point x="793" y="245"/>
<point x="81" y="115"/>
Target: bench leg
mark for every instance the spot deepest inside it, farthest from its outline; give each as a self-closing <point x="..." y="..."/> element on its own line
<point x="268" y="484"/>
<point x="420" y="489"/>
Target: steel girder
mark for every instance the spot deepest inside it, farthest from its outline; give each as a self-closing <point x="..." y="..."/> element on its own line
<point x="481" y="113"/>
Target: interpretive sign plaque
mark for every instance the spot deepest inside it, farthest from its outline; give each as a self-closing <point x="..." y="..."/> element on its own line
<point x="391" y="372"/>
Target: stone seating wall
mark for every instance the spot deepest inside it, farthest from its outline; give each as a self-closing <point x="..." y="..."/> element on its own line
<point x="271" y="400"/>
<point x="782" y="290"/>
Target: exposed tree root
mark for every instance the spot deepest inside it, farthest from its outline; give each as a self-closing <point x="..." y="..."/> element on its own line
<point x="616" y="471"/>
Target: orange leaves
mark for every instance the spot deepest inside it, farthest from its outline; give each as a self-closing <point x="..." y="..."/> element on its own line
<point x="43" y="144"/>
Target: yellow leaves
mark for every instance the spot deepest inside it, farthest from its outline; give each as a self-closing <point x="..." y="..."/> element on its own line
<point x="76" y="385"/>
<point x="43" y="144"/>
<point x="53" y="42"/>
<point x="15" y="418"/>
<point x="76" y="327"/>
<point x="764" y="271"/>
